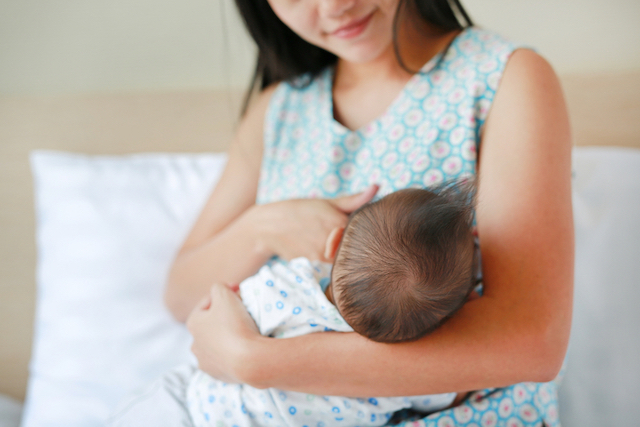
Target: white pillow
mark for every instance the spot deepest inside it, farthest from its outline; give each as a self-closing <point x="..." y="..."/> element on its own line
<point x="602" y="385"/>
<point x="107" y="231"/>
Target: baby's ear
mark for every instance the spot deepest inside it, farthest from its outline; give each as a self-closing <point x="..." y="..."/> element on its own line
<point x="333" y="241"/>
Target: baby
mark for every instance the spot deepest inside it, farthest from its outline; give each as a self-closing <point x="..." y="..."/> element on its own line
<point x="405" y="263"/>
<point x="402" y="266"/>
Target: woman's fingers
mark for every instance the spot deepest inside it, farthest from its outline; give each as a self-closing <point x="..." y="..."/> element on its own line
<point x="300" y="227"/>
<point x="204" y="303"/>
<point x="219" y="332"/>
<point x="348" y="204"/>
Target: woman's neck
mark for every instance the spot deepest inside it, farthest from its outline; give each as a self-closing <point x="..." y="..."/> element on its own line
<point x="416" y="48"/>
<point x="363" y="91"/>
<point x="385" y="67"/>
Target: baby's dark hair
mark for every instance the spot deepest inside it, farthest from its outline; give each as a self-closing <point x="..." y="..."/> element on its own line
<point x="406" y="262"/>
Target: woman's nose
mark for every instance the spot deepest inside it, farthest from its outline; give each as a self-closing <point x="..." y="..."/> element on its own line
<point x="336" y="8"/>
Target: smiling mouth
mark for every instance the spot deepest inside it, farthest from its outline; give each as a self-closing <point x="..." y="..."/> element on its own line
<point x="353" y="29"/>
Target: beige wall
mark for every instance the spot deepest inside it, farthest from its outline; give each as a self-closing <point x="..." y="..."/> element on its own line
<point x="75" y="46"/>
<point x="575" y="35"/>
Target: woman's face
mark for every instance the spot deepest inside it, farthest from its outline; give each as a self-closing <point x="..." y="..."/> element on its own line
<point x="354" y="30"/>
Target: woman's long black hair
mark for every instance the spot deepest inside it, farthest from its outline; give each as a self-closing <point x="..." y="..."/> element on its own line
<point x="283" y="55"/>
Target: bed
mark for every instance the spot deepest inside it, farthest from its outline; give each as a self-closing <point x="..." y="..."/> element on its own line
<point x="175" y="136"/>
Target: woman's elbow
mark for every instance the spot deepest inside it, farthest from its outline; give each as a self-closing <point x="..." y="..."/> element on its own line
<point x="173" y="299"/>
<point x="546" y="367"/>
<point x="550" y="350"/>
<point x="172" y="305"/>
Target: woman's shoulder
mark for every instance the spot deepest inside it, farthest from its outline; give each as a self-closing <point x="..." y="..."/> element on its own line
<point x="479" y="52"/>
<point x="477" y="41"/>
<point x="525" y="75"/>
<point x="530" y="105"/>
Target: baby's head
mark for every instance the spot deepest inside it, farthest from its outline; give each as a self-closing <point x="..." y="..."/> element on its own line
<point x="404" y="263"/>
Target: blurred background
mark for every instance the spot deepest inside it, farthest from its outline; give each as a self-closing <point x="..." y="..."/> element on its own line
<point x="87" y="46"/>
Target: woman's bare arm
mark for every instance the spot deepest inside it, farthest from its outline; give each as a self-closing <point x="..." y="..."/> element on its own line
<point x="222" y="245"/>
<point x="233" y="237"/>
<point x="518" y="331"/>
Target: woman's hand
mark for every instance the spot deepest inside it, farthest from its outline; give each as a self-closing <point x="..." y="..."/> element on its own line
<point x="300" y="227"/>
<point x="222" y="330"/>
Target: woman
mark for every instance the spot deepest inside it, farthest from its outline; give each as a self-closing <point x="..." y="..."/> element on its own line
<point x="338" y="79"/>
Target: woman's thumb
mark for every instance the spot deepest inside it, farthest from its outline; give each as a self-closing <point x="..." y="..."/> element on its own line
<point x="348" y="204"/>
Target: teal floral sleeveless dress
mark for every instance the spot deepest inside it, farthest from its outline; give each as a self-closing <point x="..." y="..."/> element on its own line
<point x="429" y="134"/>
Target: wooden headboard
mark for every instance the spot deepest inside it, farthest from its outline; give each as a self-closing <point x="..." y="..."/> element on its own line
<point x="605" y="110"/>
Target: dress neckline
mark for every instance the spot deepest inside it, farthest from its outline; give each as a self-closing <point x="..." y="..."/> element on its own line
<point x="428" y="67"/>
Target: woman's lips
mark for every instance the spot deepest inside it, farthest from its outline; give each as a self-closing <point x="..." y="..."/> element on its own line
<point x="353" y="29"/>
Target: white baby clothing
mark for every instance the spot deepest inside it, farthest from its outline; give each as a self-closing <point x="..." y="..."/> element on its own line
<point x="287" y="299"/>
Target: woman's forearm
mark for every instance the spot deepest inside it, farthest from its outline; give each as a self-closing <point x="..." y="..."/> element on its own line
<point x="228" y="257"/>
<point x="469" y="352"/>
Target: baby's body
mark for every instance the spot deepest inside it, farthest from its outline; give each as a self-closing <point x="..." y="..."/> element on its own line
<point x="287" y="299"/>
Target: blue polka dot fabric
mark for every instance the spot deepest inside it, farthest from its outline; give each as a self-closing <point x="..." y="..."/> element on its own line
<point x="429" y="134"/>
<point x="286" y="300"/>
